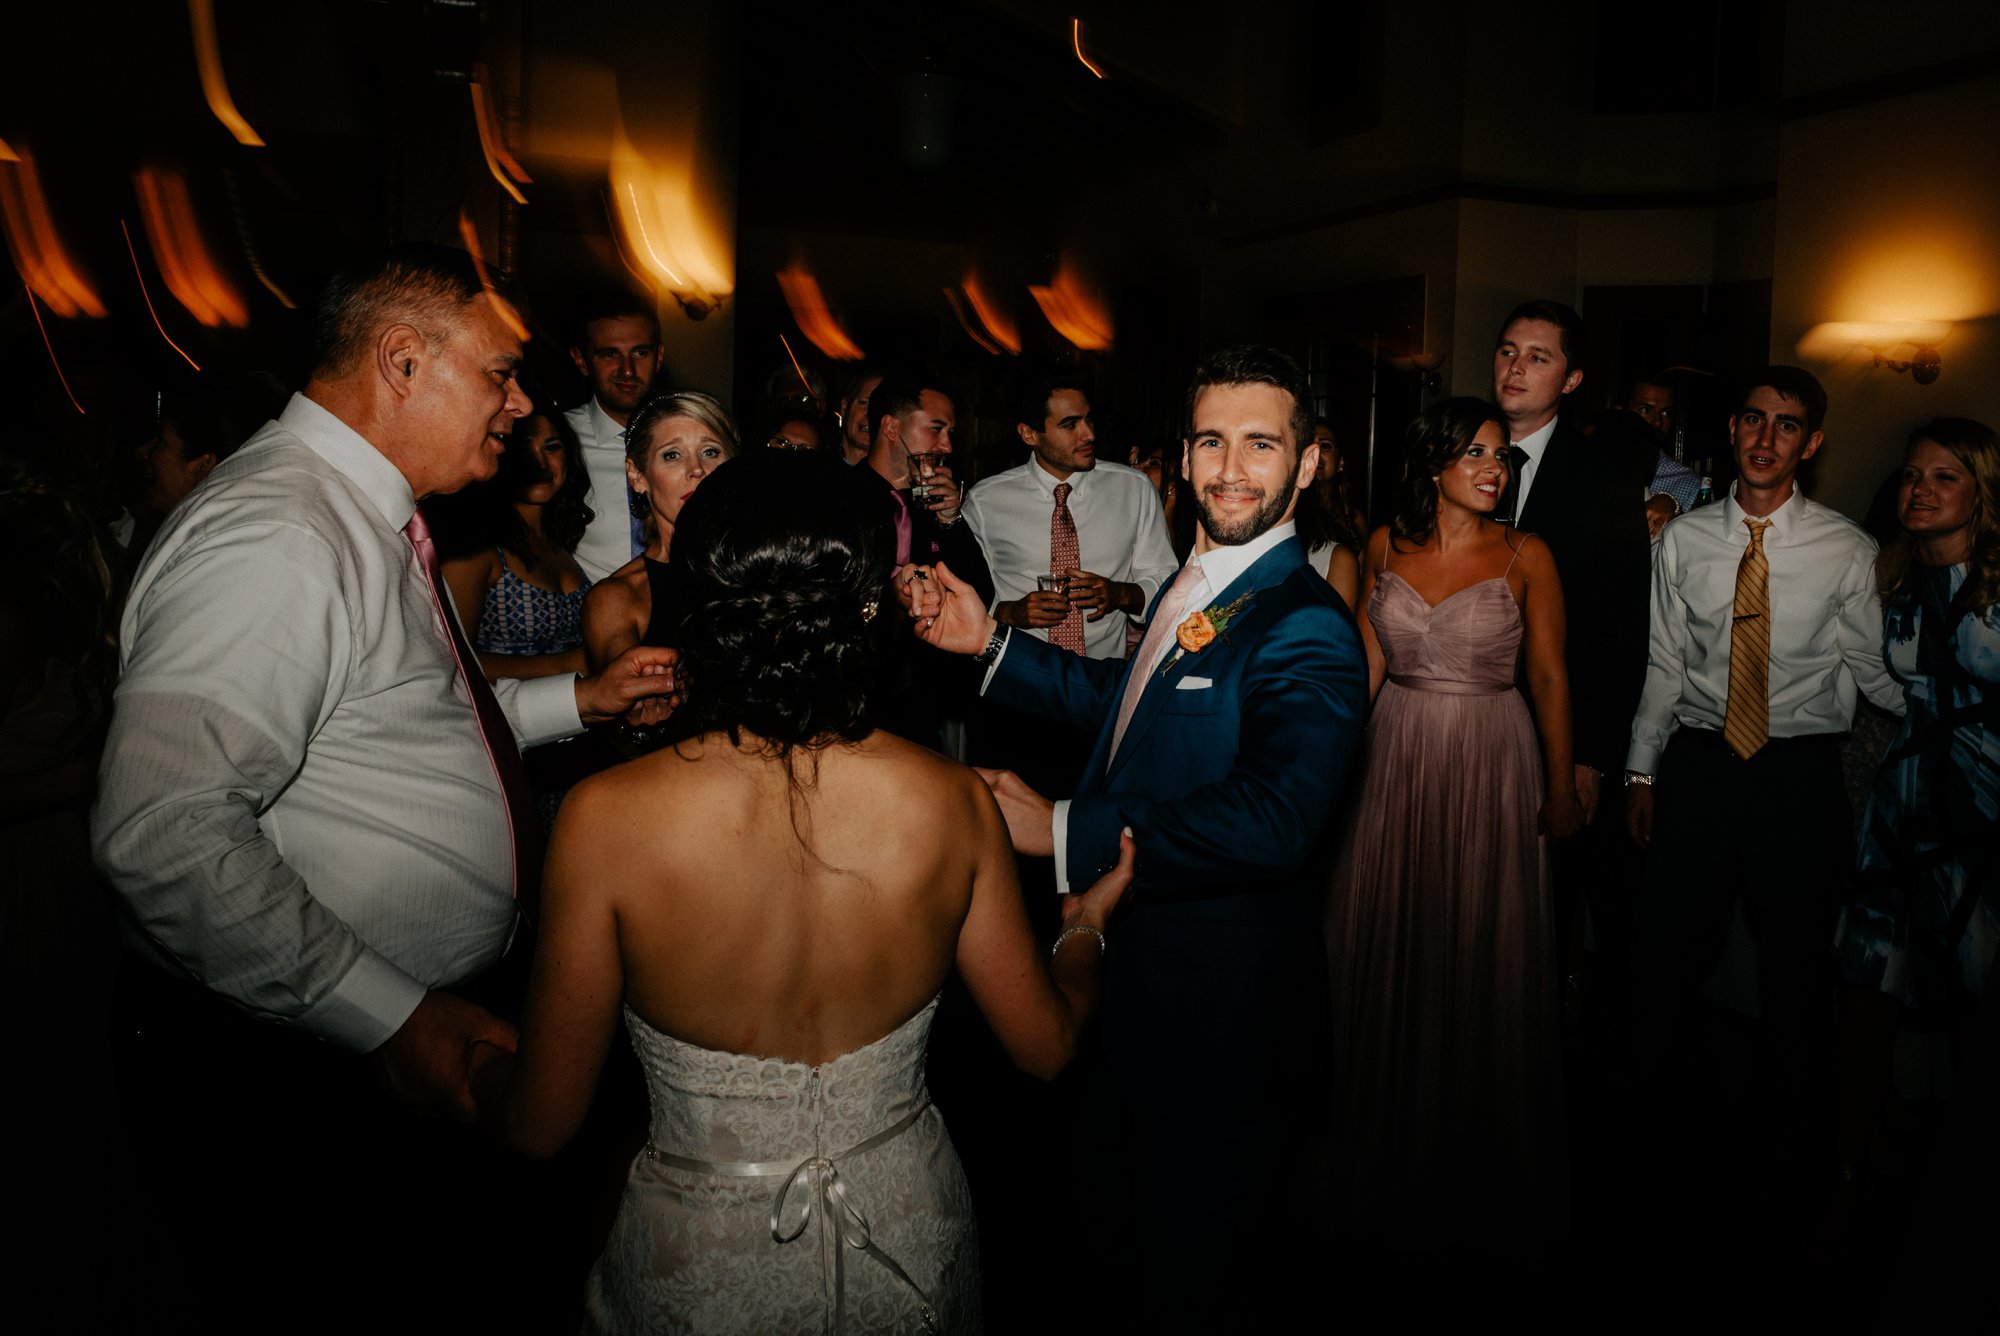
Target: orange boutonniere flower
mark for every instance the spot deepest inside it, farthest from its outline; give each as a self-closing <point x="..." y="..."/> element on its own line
<point x="1201" y="628"/>
<point x="1195" y="632"/>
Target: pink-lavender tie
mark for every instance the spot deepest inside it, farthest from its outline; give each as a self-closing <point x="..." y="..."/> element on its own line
<point x="522" y="822"/>
<point x="1159" y="639"/>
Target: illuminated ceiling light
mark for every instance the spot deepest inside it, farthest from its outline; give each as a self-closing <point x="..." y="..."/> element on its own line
<point x="966" y="322"/>
<point x="38" y="253"/>
<point x="501" y="306"/>
<point x="494" y="150"/>
<point x="996" y="320"/>
<point x="208" y="58"/>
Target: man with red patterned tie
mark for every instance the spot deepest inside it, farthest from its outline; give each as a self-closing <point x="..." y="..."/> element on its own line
<point x="309" y="807"/>
<point x="1065" y="514"/>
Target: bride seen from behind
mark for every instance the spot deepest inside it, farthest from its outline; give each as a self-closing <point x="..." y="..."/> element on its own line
<point x="776" y="903"/>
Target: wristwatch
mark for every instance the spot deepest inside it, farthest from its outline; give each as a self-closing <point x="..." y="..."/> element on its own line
<point x="1638" y="777"/>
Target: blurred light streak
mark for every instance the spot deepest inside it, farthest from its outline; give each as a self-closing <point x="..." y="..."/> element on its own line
<point x="810" y="392"/>
<point x="33" y="306"/>
<point x="208" y="57"/>
<point x="501" y="306"/>
<point x="998" y="322"/>
<point x="7" y="154"/>
<point x="488" y="117"/>
<point x="1073" y="310"/>
<point x="137" y="273"/>
<point x="488" y="146"/>
<point x="37" y="251"/>
<point x="250" y="251"/>
<point x="1076" y="42"/>
<point x="183" y="259"/>
<point x="666" y="227"/>
<point x="965" y="322"/>
<point x="815" y="321"/>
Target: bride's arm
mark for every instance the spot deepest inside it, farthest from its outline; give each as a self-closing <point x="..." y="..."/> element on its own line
<point x="573" y="994"/>
<point x="1036" y="1006"/>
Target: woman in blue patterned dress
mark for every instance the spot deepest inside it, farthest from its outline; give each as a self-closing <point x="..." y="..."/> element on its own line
<point x="1922" y="929"/>
<point x="521" y="597"/>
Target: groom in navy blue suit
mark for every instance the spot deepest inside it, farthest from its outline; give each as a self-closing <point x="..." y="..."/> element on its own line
<point x="1221" y="744"/>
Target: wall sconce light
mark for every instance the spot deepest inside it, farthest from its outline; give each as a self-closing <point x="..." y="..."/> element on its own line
<point x="1898" y="345"/>
<point x="1426" y="366"/>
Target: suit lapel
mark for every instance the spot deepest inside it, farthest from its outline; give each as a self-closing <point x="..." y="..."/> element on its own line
<point x="1267" y="571"/>
<point x="1550" y="469"/>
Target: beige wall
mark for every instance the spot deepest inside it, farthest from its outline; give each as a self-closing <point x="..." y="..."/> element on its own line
<point x="1891" y="212"/>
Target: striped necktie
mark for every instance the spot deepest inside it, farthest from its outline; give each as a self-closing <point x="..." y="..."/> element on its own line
<point x="1746" y="720"/>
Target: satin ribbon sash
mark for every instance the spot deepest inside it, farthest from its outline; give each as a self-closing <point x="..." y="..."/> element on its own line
<point x="818" y="1179"/>
<point x="1442" y="687"/>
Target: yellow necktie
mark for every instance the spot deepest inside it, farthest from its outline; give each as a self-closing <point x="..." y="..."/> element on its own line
<point x="1746" y="721"/>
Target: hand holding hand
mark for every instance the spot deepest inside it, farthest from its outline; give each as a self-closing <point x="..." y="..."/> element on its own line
<point x="426" y="1066"/>
<point x="1587" y="784"/>
<point x="961" y="624"/>
<point x="1093" y="908"/>
<point x="1639" y="813"/>
<point x="1030" y="817"/>
<point x="642" y="673"/>
<point x="1658" y="511"/>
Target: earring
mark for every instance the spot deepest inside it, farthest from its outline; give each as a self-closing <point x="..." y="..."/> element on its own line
<point x="636" y="503"/>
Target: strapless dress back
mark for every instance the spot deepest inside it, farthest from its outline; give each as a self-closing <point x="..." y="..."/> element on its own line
<point x="777" y="1196"/>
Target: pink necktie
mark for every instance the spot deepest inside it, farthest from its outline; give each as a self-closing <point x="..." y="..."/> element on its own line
<point x="1065" y="555"/>
<point x="493" y="729"/>
<point x="905" y="534"/>
<point x="1159" y="639"/>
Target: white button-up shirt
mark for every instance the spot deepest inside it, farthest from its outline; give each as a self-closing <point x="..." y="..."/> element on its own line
<point x="1826" y="624"/>
<point x="1121" y="532"/>
<point x="295" y="801"/>
<point x="607" y="543"/>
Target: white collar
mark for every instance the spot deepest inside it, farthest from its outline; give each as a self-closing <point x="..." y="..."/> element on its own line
<point x="1221" y="567"/>
<point x="1537" y="440"/>
<point x="1783" y="519"/>
<point x="354" y="457"/>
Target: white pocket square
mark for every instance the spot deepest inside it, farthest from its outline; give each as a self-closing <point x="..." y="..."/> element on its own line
<point x="1194" y="684"/>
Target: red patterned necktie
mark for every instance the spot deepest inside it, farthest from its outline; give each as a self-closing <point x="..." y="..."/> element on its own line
<point x="522" y="822"/>
<point x="1065" y="555"/>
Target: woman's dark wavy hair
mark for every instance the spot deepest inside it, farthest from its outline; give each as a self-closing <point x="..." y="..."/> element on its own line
<point x="1440" y="434"/>
<point x="482" y="516"/>
<point x="781" y="568"/>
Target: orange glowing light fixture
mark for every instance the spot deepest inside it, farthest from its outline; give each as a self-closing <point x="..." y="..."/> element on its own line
<point x="208" y="59"/>
<point x="815" y="321"/>
<point x="497" y="157"/>
<point x="501" y="306"/>
<point x="141" y="276"/>
<point x="1074" y="310"/>
<point x="1076" y="44"/>
<point x="250" y="251"/>
<point x="666" y="231"/>
<point x="183" y="259"/>
<point x="38" y="253"/>
<point x="7" y="154"/>
<point x="997" y="320"/>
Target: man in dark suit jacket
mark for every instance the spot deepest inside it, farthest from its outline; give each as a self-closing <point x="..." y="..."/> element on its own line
<point x="913" y="419"/>
<point x="1594" y="522"/>
<point x="1221" y="745"/>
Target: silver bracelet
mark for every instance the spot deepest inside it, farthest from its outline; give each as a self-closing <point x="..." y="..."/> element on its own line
<point x="1072" y="931"/>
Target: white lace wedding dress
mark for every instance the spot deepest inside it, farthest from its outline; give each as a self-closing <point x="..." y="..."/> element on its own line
<point x="774" y="1196"/>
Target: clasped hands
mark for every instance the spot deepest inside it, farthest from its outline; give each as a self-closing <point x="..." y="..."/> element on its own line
<point x="639" y="686"/>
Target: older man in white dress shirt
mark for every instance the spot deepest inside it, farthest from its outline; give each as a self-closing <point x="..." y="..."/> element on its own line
<point x="305" y="805"/>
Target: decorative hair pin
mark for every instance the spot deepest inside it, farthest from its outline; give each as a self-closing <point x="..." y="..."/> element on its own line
<point x="869" y="609"/>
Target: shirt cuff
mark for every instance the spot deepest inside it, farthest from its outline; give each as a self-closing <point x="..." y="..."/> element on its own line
<point x="1060" y="818"/>
<point x="367" y="1006"/>
<point x="545" y="709"/>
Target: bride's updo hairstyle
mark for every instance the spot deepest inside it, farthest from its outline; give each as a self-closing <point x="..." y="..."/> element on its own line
<point x="781" y="566"/>
<point x="1440" y="434"/>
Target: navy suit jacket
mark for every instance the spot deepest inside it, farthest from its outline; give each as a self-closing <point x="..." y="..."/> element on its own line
<point x="1225" y="786"/>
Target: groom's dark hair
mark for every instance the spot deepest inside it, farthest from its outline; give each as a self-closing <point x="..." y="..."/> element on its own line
<point x="1254" y="364"/>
